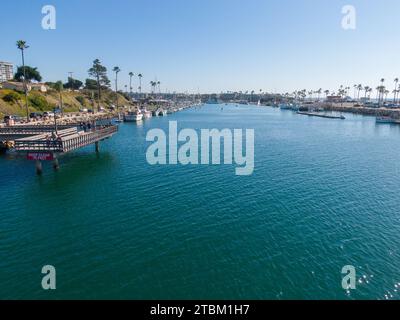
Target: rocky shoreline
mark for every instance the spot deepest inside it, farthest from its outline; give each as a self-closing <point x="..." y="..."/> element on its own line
<point x="349" y="107"/>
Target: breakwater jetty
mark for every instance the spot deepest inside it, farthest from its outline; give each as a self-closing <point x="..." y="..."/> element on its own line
<point x="320" y="115"/>
<point x="368" y="111"/>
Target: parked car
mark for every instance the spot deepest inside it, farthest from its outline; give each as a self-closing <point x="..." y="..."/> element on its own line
<point x="8" y="118"/>
<point x="48" y="114"/>
<point x="35" y="115"/>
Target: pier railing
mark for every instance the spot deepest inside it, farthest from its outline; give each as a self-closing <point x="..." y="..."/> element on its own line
<point x="68" y="140"/>
<point x="30" y="130"/>
<point x="85" y="139"/>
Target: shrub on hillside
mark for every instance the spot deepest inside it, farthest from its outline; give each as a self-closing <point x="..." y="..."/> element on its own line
<point x="39" y="103"/>
<point x="12" y="97"/>
<point x="81" y="100"/>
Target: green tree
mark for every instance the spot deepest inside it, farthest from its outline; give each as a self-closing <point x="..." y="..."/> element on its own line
<point x="30" y="74"/>
<point x="73" y="84"/>
<point x="99" y="72"/>
<point x="90" y="84"/>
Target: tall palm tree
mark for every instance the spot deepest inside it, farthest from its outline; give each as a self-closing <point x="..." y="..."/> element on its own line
<point x="319" y="92"/>
<point x="159" y="87"/>
<point x="116" y="70"/>
<point x="369" y="92"/>
<point x="396" y="81"/>
<point x="359" y="88"/>
<point x="140" y="76"/>
<point x="21" y="45"/>
<point x="152" y="84"/>
<point x="381" y="90"/>
<point x="130" y="81"/>
<point x="355" y="90"/>
<point x="326" y="93"/>
<point x="366" y="90"/>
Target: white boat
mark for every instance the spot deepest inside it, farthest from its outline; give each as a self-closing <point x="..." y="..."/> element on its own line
<point x="160" y="112"/>
<point x="133" y="116"/>
<point x="120" y="118"/>
<point x="385" y="120"/>
<point x="146" y="113"/>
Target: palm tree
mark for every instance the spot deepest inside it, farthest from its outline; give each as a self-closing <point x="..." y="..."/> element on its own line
<point x="366" y="89"/>
<point x="326" y="93"/>
<point x="159" y="87"/>
<point x="359" y="88"/>
<point x="153" y="84"/>
<point x="395" y="89"/>
<point x="21" y="45"/>
<point x="381" y="90"/>
<point x="116" y="70"/>
<point x="319" y="91"/>
<point x="140" y="76"/>
<point x="130" y="81"/>
<point x="386" y="93"/>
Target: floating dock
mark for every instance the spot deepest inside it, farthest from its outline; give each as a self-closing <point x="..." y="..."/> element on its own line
<point x="313" y="114"/>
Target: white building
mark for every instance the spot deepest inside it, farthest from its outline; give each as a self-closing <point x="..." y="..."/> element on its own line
<point x="6" y="71"/>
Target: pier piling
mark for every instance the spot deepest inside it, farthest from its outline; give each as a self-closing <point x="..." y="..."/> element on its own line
<point x="56" y="164"/>
<point x="97" y="147"/>
<point x="39" y="168"/>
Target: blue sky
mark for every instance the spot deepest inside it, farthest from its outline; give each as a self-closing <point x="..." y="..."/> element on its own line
<point x="211" y="45"/>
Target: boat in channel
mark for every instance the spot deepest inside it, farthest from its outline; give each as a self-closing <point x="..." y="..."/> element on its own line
<point x="133" y="116"/>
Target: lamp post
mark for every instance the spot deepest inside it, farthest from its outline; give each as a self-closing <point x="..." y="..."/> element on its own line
<point x="55" y="120"/>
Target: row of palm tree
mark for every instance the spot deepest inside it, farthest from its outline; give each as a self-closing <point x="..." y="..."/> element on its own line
<point x="154" y="85"/>
<point x="382" y="92"/>
<point x="131" y="75"/>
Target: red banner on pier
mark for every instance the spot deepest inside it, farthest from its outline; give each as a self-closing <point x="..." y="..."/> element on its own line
<point x="40" y="156"/>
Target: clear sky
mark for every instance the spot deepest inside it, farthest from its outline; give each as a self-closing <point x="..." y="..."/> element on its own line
<point x="210" y="45"/>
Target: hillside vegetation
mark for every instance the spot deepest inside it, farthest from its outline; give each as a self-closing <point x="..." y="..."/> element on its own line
<point x="13" y="102"/>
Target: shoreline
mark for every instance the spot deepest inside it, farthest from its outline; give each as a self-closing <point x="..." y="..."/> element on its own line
<point x="350" y="108"/>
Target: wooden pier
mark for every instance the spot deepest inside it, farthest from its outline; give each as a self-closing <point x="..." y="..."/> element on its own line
<point x="67" y="140"/>
<point x="41" y="143"/>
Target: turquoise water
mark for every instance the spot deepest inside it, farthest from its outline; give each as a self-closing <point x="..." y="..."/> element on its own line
<point x="324" y="194"/>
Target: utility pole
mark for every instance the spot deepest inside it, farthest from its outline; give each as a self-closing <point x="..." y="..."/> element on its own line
<point x="70" y="73"/>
